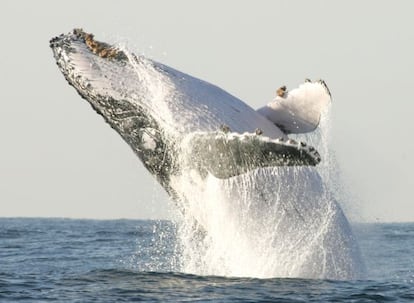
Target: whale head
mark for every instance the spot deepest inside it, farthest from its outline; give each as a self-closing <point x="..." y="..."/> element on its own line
<point x="106" y="78"/>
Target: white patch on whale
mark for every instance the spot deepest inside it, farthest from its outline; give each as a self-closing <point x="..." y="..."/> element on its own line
<point x="148" y="141"/>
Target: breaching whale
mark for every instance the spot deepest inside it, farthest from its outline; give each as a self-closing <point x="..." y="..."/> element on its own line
<point x="179" y="126"/>
<point x="156" y="108"/>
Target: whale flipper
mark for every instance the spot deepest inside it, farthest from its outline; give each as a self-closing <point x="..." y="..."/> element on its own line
<point x="226" y="155"/>
<point x="299" y="110"/>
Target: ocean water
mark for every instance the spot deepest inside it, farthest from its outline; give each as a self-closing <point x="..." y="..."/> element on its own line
<point x="66" y="260"/>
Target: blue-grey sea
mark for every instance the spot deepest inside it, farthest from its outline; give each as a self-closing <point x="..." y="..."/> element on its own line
<point x="65" y="260"/>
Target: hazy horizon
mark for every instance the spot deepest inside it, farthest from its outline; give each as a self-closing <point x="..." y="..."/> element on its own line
<point x="59" y="158"/>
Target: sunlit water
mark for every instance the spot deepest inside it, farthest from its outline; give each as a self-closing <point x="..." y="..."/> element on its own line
<point x="62" y="260"/>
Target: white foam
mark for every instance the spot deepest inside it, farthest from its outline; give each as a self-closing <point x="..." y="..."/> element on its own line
<point x="274" y="222"/>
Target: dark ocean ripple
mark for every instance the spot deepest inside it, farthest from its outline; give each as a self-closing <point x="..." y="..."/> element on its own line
<point x="61" y="260"/>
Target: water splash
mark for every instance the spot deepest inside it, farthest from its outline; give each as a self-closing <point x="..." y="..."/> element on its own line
<point x="273" y="222"/>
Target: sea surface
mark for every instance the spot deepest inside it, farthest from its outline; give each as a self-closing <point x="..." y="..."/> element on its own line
<point x="66" y="260"/>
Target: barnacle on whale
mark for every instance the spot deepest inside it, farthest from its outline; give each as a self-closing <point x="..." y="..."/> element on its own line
<point x="101" y="49"/>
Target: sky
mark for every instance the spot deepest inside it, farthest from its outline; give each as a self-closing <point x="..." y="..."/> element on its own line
<point x="59" y="159"/>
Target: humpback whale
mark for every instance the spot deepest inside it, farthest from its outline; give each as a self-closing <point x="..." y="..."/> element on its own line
<point x="185" y="130"/>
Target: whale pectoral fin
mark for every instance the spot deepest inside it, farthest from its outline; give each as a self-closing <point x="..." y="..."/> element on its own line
<point x="225" y="155"/>
<point x="299" y="110"/>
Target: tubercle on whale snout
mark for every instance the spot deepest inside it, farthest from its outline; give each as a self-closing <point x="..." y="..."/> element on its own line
<point x="101" y="49"/>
